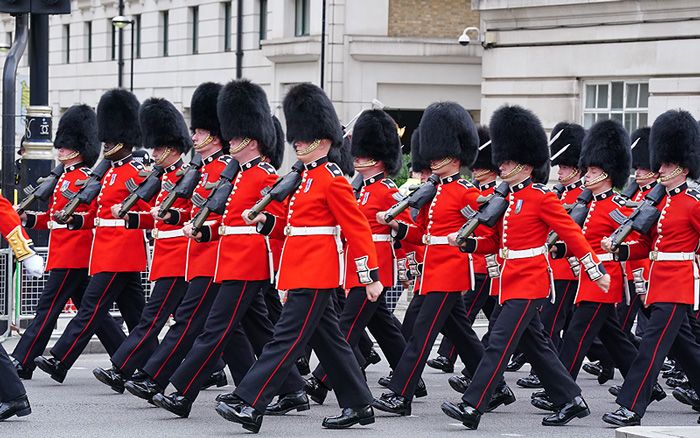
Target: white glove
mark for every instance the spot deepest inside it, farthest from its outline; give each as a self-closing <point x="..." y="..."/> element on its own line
<point x="34" y="266"/>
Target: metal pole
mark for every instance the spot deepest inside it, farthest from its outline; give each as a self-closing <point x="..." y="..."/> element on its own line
<point x="323" y="41"/>
<point x="9" y="115"/>
<point x="120" y="60"/>
<point x="239" y="40"/>
<point x="131" y="83"/>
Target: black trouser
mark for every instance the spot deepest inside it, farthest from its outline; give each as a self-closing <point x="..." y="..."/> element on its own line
<point x="273" y="302"/>
<point x="239" y="354"/>
<point x="308" y="317"/>
<point x="517" y="321"/>
<point x="62" y="284"/>
<point x="190" y="317"/>
<point x="439" y="312"/>
<point x="143" y="340"/>
<point x="10" y="385"/>
<point x="591" y="320"/>
<point x="628" y="313"/>
<point x="359" y="313"/>
<point x="236" y="302"/>
<point x="667" y="331"/>
<point x="104" y="289"/>
<point x="554" y="315"/>
<point x="409" y="318"/>
<point x="474" y="300"/>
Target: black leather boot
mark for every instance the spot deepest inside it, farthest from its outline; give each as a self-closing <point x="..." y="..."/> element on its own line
<point x="350" y="417"/>
<point x="316" y="390"/>
<point x="622" y="417"/>
<point x="288" y="402"/>
<point x="52" y="367"/>
<point x="393" y="403"/>
<point x="217" y="378"/>
<point x="19" y="407"/>
<point x="441" y="363"/>
<point x="175" y="403"/>
<point x="111" y="377"/>
<point x="576" y="408"/>
<point x="468" y="415"/>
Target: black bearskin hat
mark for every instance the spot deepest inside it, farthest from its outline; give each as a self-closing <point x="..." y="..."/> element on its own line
<point x="341" y="155"/>
<point x="517" y="135"/>
<point x="118" y="118"/>
<point x="447" y="130"/>
<point x="203" y="109"/>
<point x="276" y="153"/>
<point x="418" y="164"/>
<point x="163" y="125"/>
<point x="375" y="136"/>
<point x="483" y="156"/>
<point x="607" y="145"/>
<point x="244" y="112"/>
<point x="675" y="138"/>
<point x="310" y="115"/>
<point x="563" y="134"/>
<point x="77" y="131"/>
<point x="640" y="148"/>
<point x="541" y="174"/>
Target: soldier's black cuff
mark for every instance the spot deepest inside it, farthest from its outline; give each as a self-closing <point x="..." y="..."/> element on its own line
<point x="374" y="275"/>
<point x="174" y="218"/>
<point x="76" y="223"/>
<point x="132" y="220"/>
<point x="469" y="245"/>
<point x="401" y="232"/>
<point x="206" y="234"/>
<point x="560" y="251"/>
<point x="266" y="228"/>
<point x="30" y="222"/>
<point x="623" y="253"/>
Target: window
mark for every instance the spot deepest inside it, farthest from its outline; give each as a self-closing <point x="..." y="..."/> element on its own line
<point x="114" y="40"/>
<point x="263" y="20"/>
<point x="301" y="17"/>
<point x="88" y="40"/>
<point x="66" y="42"/>
<point x="626" y="102"/>
<point x="194" y="15"/>
<point x="226" y="6"/>
<point x="137" y="35"/>
<point x="8" y="38"/>
<point x="164" y="18"/>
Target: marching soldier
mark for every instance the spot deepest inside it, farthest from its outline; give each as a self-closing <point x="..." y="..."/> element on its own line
<point x="69" y="251"/>
<point x="243" y="265"/>
<point x="376" y="149"/>
<point x="200" y="265"/>
<point x="671" y="246"/>
<point x="165" y="131"/>
<point x="311" y="269"/>
<point x="13" y="397"/>
<point x="114" y="277"/>
<point x="519" y="145"/>
<point x="448" y="140"/>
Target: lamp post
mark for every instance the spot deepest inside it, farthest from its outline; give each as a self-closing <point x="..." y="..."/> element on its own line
<point x="120" y="22"/>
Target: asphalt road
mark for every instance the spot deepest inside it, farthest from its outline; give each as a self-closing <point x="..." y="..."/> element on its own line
<point x="84" y="407"/>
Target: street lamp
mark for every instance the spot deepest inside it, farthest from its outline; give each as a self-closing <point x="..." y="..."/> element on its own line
<point x="120" y="22"/>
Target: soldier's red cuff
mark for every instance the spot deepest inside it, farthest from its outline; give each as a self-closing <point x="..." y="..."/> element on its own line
<point x="267" y="227"/>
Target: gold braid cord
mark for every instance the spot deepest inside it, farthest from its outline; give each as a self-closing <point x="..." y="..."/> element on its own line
<point x="19" y="244"/>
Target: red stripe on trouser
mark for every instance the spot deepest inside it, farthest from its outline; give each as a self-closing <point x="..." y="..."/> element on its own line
<point x="153" y="323"/>
<point x="189" y="322"/>
<point x="425" y="344"/>
<point x="629" y="310"/>
<point x="583" y="336"/>
<point x="221" y="339"/>
<point x="503" y="355"/>
<point x="453" y="349"/>
<point x="296" y="341"/>
<point x="352" y="326"/>
<point x="43" y="323"/>
<point x="561" y="304"/>
<point x="653" y="357"/>
<point x="104" y="292"/>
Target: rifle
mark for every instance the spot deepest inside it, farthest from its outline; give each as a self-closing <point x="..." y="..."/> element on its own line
<point x="184" y="187"/>
<point x="630" y="189"/>
<point x="146" y="190"/>
<point x="642" y="218"/>
<point x="357" y="184"/>
<point x="90" y="188"/>
<point x="43" y="190"/>
<point x="559" y="190"/>
<point x="578" y="212"/>
<point x="279" y="190"/>
<point x="416" y="199"/>
<point x="216" y="201"/>
<point x="488" y="214"/>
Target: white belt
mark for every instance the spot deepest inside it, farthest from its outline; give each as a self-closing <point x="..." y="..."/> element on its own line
<point x="381" y="237"/>
<point x="167" y="234"/>
<point x="53" y="225"/>
<point x="671" y="256"/>
<point x="607" y="257"/>
<point x="311" y="231"/>
<point x="511" y="254"/>
<point x="435" y="240"/>
<point x="230" y="231"/>
<point x="99" y="222"/>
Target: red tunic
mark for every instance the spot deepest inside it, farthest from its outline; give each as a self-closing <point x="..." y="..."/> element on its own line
<point x="445" y="267"/>
<point x="678" y="231"/>
<point x="640" y="266"/>
<point x="479" y="260"/>
<point x="323" y="199"/>
<point x="533" y="210"/>
<point x="560" y="267"/>
<point x="67" y="249"/>
<point x="245" y="256"/>
<point x="114" y="248"/>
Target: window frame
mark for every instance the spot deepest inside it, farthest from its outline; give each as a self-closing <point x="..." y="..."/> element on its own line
<point x="194" y="29"/>
<point x="88" y="40"/>
<point x="165" y="33"/>
<point x="262" y="22"/>
<point x="302" y="21"/>
<point x="66" y="43"/>
<point x="608" y="109"/>
<point x="228" y="25"/>
<point x="137" y="35"/>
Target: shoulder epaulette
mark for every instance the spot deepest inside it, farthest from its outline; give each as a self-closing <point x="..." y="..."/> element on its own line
<point x="466" y="184"/>
<point x="267" y="167"/>
<point x="541" y="187"/>
<point x="334" y="169"/>
<point x="693" y="193"/>
<point x="224" y="158"/>
<point x="137" y="165"/>
<point x="389" y="183"/>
